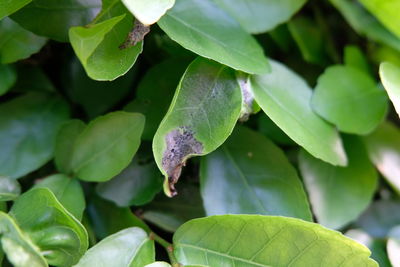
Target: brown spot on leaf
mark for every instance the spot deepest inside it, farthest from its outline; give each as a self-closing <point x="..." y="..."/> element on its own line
<point x="181" y="143"/>
<point x="136" y="35"/>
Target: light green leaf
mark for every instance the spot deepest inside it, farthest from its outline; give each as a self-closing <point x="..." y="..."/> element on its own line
<point x="354" y="57"/>
<point x="384" y="151"/>
<point x="130" y="247"/>
<point x="390" y="76"/>
<point x="258" y="16"/>
<point x="8" y="77"/>
<point x="254" y="240"/>
<point x="16" y="42"/>
<point x="9" y="189"/>
<point x="350" y="99"/>
<point x="202" y="115"/>
<point x="159" y="264"/>
<point x="393" y="246"/>
<point x="148" y="11"/>
<point x="20" y="250"/>
<point x="28" y="126"/>
<point x="285" y="98"/>
<point x="54" y="18"/>
<point x="7" y="7"/>
<point x="98" y="45"/>
<point x="256" y="176"/>
<point x="332" y="188"/>
<point x="200" y="26"/>
<point x="106" y="146"/>
<point x="60" y="237"/>
<point x="68" y="191"/>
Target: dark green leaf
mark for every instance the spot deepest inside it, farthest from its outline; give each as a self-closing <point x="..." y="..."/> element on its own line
<point x="7" y="7"/>
<point x="9" y="189"/>
<point x="8" y="77"/>
<point x="267" y="127"/>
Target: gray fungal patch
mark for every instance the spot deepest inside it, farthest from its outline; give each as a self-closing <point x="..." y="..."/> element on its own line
<point x="248" y="101"/>
<point x="136" y="35"/>
<point x="181" y="144"/>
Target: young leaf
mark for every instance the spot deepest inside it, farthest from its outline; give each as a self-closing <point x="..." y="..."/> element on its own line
<point x="8" y="77"/>
<point x="60" y="237"/>
<point x="350" y="99"/>
<point x="98" y="45"/>
<point x="9" y="189"/>
<point x="331" y="188"/>
<point x="258" y="16"/>
<point x="16" y="42"/>
<point x="256" y="177"/>
<point x="205" y="29"/>
<point x="384" y="151"/>
<point x="254" y="240"/>
<point x="106" y="146"/>
<point x="202" y="115"/>
<point x="130" y="247"/>
<point x="285" y="98"/>
<point x="7" y="7"/>
<point x="68" y="191"/>
<point x="28" y="126"/>
<point x="54" y="18"/>
<point x="148" y="11"/>
<point x="393" y="246"/>
<point x="390" y="76"/>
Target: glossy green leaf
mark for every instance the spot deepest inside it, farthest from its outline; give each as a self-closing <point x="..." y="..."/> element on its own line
<point x="68" y="192"/>
<point x="202" y="115"/>
<point x="17" y="43"/>
<point x="20" y="250"/>
<point x="393" y="246"/>
<point x="106" y="146"/>
<point x="354" y="57"/>
<point x="205" y="29"/>
<point x="258" y="16"/>
<point x="9" y="189"/>
<point x="148" y="12"/>
<point x="256" y="176"/>
<point x="267" y="127"/>
<point x="54" y="18"/>
<point x="7" y="7"/>
<point x="28" y="126"/>
<point x="384" y="151"/>
<point x="130" y="247"/>
<point x="60" y="237"/>
<point x="350" y="99"/>
<point x="390" y="76"/>
<point x="8" y="77"/>
<point x="254" y="240"/>
<point x="98" y="45"/>
<point x="285" y="98"/>
<point x="332" y="188"/>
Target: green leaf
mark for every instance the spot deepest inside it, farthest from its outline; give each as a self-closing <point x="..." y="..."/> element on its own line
<point x="202" y="115"/>
<point x="68" y="192"/>
<point x="332" y="188"/>
<point x="7" y="7"/>
<point x="384" y="151"/>
<point x="9" y="189"/>
<point x="16" y="42"/>
<point x="350" y="99"/>
<point x="365" y="24"/>
<point x="28" y="126"/>
<point x="258" y="16"/>
<point x="106" y="146"/>
<point x="354" y="57"/>
<point x="386" y="12"/>
<point x="284" y="97"/>
<point x="393" y="246"/>
<point x="34" y="79"/>
<point x="135" y="185"/>
<point x="54" y="18"/>
<point x="390" y="76"/>
<point x="254" y="240"/>
<point x="156" y="89"/>
<point x="256" y="176"/>
<point x="8" y="77"/>
<point x="201" y="27"/>
<point x="60" y="237"/>
<point x="130" y="247"/>
<point x="20" y="250"/>
<point x="148" y="12"/>
<point x="267" y="127"/>
<point x="98" y="45"/>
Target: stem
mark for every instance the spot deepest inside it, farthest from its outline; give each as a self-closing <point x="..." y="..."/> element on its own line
<point x="168" y="247"/>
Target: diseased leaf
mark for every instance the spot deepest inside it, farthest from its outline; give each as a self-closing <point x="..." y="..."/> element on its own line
<point x="148" y="12"/>
<point x="285" y="98"/>
<point x="350" y="99"/>
<point x="202" y="115"/>
<point x="332" y="188"/>
<point x="254" y="240"/>
<point x="203" y="28"/>
<point x="9" y="189"/>
<point x="28" y="127"/>
<point x="130" y="247"/>
<point x="393" y="246"/>
<point x="7" y="7"/>
<point x="256" y="176"/>
<point x="390" y="76"/>
<point x="8" y="77"/>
